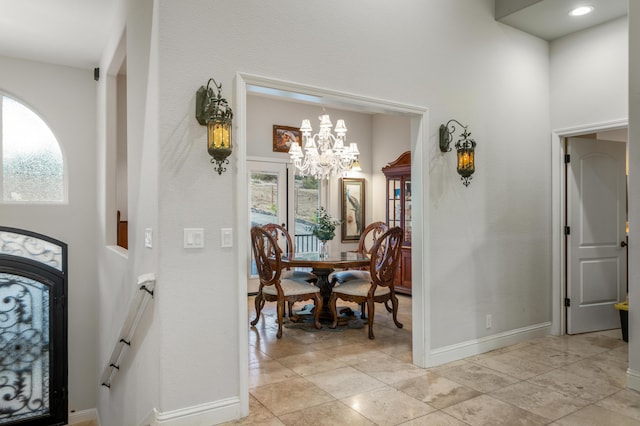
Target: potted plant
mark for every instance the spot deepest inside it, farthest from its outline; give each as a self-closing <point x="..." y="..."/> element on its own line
<point x="324" y="230"/>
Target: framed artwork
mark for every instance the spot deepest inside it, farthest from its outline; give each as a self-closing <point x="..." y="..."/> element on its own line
<point x="352" y="196"/>
<point x="284" y="136"/>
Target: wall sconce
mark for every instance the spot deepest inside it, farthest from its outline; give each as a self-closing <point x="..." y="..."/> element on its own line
<point x="465" y="148"/>
<point x="214" y="112"/>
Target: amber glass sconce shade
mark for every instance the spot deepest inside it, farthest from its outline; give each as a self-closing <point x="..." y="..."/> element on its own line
<point x="213" y="111"/>
<point x="465" y="148"/>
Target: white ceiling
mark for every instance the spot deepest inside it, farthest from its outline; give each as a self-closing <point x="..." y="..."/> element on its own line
<point x="75" y="32"/>
<point x="549" y="19"/>
<point x="64" y="32"/>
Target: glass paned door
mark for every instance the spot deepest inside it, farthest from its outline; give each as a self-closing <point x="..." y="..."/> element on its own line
<point x="267" y="202"/>
<point x="33" y="329"/>
<point x="24" y="348"/>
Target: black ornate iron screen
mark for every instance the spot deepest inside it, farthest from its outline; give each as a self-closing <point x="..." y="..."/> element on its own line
<point x="33" y="329"/>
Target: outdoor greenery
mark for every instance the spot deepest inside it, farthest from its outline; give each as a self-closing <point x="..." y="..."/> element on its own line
<point x="325" y="228"/>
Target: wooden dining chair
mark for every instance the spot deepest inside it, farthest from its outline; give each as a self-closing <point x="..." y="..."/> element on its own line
<point x="369" y="236"/>
<point x="285" y="243"/>
<point x="274" y="288"/>
<point x="367" y="239"/>
<point x="376" y="284"/>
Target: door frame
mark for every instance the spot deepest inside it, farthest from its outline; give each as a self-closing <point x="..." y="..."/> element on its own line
<point x="558" y="208"/>
<point x="419" y="118"/>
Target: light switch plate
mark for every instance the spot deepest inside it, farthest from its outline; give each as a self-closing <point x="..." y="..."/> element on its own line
<point x="193" y="238"/>
<point x="148" y="237"/>
<point x="226" y="237"/>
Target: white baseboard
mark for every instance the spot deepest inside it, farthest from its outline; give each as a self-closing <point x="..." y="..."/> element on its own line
<point x="469" y="348"/>
<point x="633" y="379"/>
<point x="200" y="415"/>
<point x="84" y="416"/>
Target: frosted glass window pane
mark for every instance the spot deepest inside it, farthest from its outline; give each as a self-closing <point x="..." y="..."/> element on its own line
<point x="32" y="167"/>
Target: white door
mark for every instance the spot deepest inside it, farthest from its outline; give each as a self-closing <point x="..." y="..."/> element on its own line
<point x="268" y="188"/>
<point x="597" y="263"/>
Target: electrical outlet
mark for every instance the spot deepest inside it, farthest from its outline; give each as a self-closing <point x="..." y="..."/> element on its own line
<point x="489" y="321"/>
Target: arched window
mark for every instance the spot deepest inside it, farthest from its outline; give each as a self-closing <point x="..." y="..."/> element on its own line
<point x="32" y="164"/>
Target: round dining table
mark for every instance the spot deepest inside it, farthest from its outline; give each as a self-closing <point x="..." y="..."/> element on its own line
<point x="323" y="266"/>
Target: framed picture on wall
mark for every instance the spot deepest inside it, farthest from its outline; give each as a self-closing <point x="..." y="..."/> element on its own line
<point x="352" y="199"/>
<point x="284" y="136"/>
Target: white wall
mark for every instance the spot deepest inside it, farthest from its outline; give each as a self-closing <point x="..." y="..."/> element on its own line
<point x="579" y="64"/>
<point x="451" y="57"/>
<point x="489" y="243"/>
<point x="135" y="389"/>
<point x="391" y="137"/>
<point x="633" y="373"/>
<point x="65" y="98"/>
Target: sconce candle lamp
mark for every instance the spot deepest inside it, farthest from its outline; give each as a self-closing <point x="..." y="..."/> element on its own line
<point x="465" y="148"/>
<point x="213" y="111"/>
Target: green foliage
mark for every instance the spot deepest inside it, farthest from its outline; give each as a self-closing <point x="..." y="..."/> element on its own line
<point x="325" y="228"/>
<point x="309" y="182"/>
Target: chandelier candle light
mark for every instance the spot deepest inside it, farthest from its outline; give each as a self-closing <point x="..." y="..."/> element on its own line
<point x="324" y="155"/>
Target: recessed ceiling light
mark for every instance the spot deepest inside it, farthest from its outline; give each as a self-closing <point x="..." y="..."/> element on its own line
<point x="582" y="10"/>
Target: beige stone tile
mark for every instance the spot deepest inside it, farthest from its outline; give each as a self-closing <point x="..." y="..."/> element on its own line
<point x="477" y="377"/>
<point x="593" y="415"/>
<point x="571" y="384"/>
<point x="514" y="365"/>
<point x="387" y="406"/>
<point x="438" y="418"/>
<point x="258" y="415"/>
<point x="448" y="365"/>
<point x="584" y="346"/>
<point x="271" y="421"/>
<point x="547" y="356"/>
<point x="348" y="349"/>
<point x="283" y="347"/>
<point x="499" y="351"/>
<point x="389" y="369"/>
<point x="355" y="354"/>
<point x="328" y="414"/>
<point x="343" y="382"/>
<point x="613" y="373"/>
<point x="290" y="395"/>
<point x="625" y="402"/>
<point x="310" y="363"/>
<point x="485" y="410"/>
<point x="538" y="400"/>
<point x="436" y="390"/>
<point x="256" y="356"/>
<point x="268" y="372"/>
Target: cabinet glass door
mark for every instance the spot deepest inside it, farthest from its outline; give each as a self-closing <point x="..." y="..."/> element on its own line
<point x="407" y="212"/>
<point x="394" y="207"/>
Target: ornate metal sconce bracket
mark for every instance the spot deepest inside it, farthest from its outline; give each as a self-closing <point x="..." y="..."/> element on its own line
<point x="465" y="148"/>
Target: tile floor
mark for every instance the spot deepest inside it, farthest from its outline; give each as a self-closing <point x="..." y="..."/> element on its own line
<point x="343" y="378"/>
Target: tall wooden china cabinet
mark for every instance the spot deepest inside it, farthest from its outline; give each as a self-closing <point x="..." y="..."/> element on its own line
<point x="398" y="174"/>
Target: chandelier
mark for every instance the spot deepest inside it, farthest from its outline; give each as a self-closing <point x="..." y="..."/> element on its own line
<point x="324" y="155"/>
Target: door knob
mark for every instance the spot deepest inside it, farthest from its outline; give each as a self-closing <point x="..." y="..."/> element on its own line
<point x="623" y="244"/>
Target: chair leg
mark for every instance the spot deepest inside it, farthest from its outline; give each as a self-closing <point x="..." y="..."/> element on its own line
<point x="290" y="305"/>
<point x="316" y="315"/>
<point x="363" y="310"/>
<point x="394" y="302"/>
<point x="371" y="311"/>
<point x="386" y="305"/>
<point x="332" y="308"/>
<point x="280" y="316"/>
<point x="259" y="304"/>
